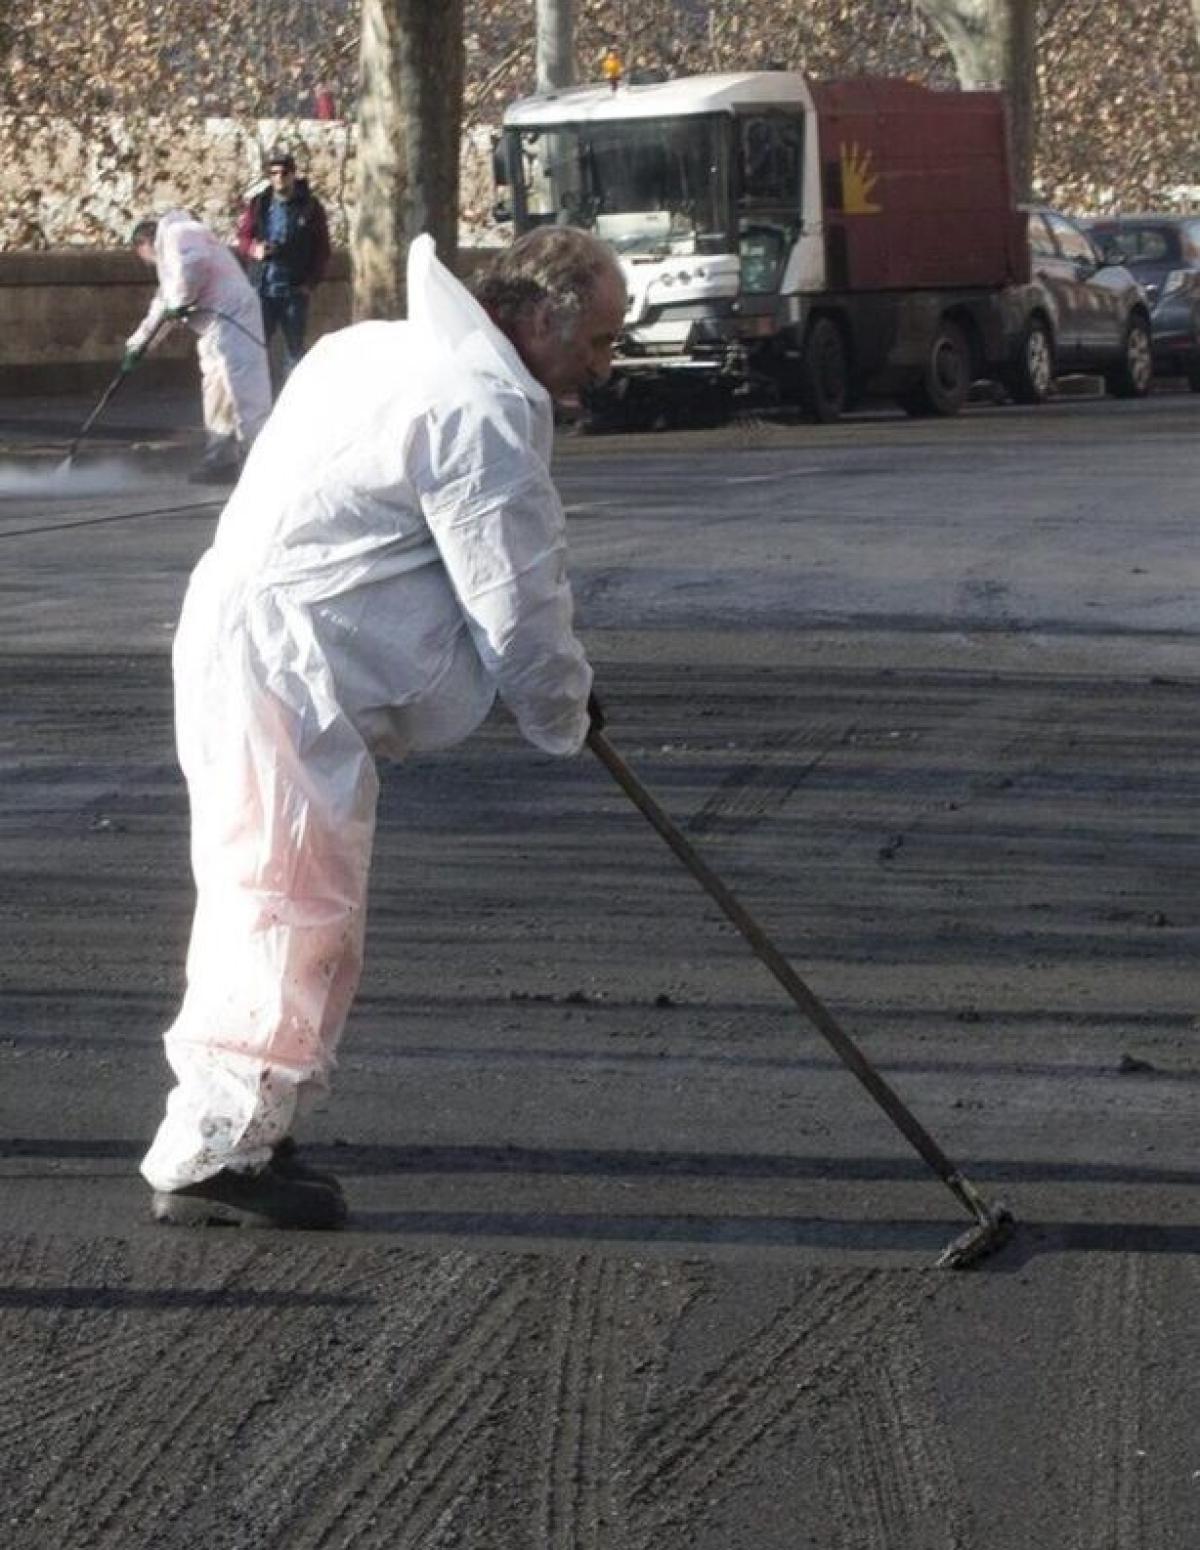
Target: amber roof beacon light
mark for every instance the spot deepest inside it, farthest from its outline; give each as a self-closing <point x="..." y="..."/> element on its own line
<point x="611" y="67"/>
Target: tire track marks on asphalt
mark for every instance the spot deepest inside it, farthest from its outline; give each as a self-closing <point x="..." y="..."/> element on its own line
<point x="417" y="1456"/>
<point x="49" y="1376"/>
<point x="1111" y="1339"/>
<point x="710" y="1429"/>
<point x="757" y="790"/>
<point x="717" y="1433"/>
<point x="295" y="1449"/>
<point x="890" y="1460"/>
<point x="88" y="1435"/>
<point x="582" y="1436"/>
<point x="208" y="1372"/>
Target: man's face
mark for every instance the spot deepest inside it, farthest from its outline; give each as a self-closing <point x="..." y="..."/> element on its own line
<point x="565" y="366"/>
<point x="283" y="180"/>
<point x="145" y="251"/>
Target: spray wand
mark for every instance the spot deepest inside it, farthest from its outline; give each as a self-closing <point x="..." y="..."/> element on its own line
<point x="129" y="361"/>
<point x="133" y="357"/>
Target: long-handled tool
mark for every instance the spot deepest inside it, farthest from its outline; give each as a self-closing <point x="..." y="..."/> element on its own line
<point x="993" y="1223"/>
<point x="172" y="315"/>
<point x="105" y="398"/>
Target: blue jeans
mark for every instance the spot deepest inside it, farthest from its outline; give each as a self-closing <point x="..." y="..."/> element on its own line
<point x="289" y="313"/>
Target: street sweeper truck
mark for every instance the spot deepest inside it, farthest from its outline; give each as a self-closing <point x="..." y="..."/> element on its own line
<point x="814" y="241"/>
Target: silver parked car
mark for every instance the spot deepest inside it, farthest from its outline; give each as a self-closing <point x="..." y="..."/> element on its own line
<point x="1081" y="313"/>
<point x="1163" y="251"/>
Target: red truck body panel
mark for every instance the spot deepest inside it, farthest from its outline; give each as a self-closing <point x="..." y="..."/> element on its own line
<point x="917" y="191"/>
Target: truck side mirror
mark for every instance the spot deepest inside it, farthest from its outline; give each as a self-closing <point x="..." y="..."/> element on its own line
<point x="499" y="163"/>
<point x="501" y="212"/>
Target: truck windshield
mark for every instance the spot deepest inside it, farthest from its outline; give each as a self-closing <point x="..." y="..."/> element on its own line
<point x="645" y="185"/>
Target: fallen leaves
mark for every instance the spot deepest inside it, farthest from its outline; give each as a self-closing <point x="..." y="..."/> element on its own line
<point x="93" y="92"/>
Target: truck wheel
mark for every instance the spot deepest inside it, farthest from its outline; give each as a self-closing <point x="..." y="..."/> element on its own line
<point x="824" y="372"/>
<point x="1032" y="375"/>
<point x="946" y="378"/>
<point x="1132" y="378"/>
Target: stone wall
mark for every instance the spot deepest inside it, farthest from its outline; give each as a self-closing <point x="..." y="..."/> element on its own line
<point x="65" y="316"/>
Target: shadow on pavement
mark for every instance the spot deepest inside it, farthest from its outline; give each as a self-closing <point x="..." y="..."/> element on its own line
<point x="380" y="1161"/>
<point x="109" y="1299"/>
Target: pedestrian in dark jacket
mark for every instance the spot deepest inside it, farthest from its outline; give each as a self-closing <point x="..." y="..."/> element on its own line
<point x="284" y="235"/>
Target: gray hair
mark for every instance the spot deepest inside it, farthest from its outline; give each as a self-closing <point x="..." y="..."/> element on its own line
<point x="557" y="264"/>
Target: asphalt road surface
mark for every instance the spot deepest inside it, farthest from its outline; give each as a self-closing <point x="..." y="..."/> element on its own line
<point x="634" y="1263"/>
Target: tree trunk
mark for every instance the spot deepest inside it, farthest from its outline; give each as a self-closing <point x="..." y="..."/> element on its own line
<point x="1021" y="82"/>
<point x="976" y="32"/>
<point x="994" y="47"/>
<point x="409" y="126"/>
<point x="556" y="45"/>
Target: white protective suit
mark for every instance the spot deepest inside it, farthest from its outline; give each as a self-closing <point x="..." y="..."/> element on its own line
<point x="393" y="554"/>
<point x="195" y="269"/>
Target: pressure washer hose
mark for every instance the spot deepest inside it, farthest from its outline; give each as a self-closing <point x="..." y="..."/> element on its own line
<point x="216" y="312"/>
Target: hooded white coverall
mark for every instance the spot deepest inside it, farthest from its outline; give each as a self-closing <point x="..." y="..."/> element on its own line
<point x="393" y="554"/>
<point x="196" y="269"/>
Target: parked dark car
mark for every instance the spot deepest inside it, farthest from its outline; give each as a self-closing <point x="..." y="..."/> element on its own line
<point x="1081" y="312"/>
<point x="1163" y="251"/>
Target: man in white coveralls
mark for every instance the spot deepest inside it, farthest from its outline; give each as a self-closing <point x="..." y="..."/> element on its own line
<point x="392" y="557"/>
<point x="200" y="279"/>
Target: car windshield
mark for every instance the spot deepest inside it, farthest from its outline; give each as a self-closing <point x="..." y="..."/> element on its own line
<point x="647" y="186"/>
<point x="1140" y="244"/>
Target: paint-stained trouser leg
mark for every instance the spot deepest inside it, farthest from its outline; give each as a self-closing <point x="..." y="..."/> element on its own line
<point x="216" y="399"/>
<point x="235" y="383"/>
<point x="281" y="844"/>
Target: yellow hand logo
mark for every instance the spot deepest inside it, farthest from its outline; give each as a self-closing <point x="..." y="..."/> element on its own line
<point x="858" y="182"/>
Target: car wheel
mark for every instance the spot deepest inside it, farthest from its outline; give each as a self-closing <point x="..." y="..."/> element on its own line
<point x="1032" y="376"/>
<point x="1132" y="378"/>
<point x="824" y="373"/>
<point x="946" y="379"/>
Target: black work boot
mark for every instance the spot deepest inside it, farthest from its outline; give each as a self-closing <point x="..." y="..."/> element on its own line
<point x="221" y="464"/>
<point x="268" y="1198"/>
<point x="215" y="473"/>
<point x="286" y="1160"/>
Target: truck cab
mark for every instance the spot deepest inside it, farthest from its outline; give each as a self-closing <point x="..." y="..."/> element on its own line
<point x="697" y="184"/>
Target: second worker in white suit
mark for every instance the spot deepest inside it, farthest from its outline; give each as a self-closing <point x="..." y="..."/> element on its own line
<point x="200" y="279"/>
<point x="392" y="558"/>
